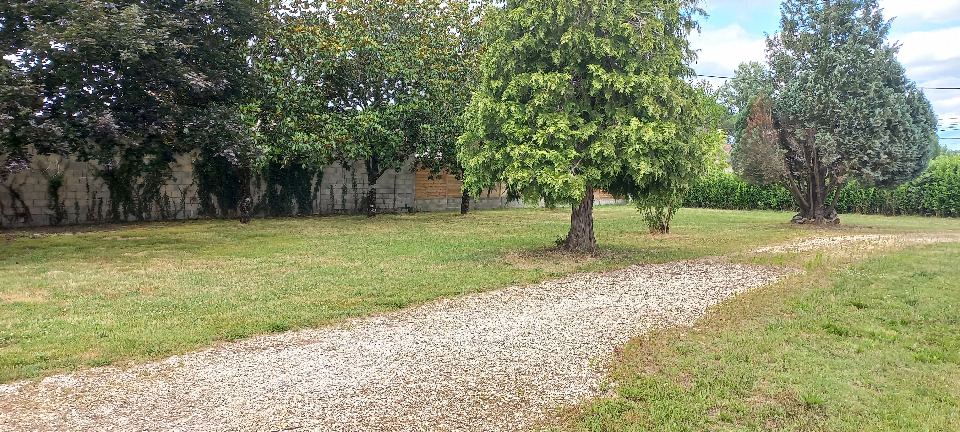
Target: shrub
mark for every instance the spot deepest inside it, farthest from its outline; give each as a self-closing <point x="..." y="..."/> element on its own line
<point x="935" y="193"/>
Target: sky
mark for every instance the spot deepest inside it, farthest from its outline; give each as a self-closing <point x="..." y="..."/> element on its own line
<point x="928" y="32"/>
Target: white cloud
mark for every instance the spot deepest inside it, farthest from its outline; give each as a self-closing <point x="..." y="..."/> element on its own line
<point x="932" y="59"/>
<point x="936" y="47"/>
<point x="722" y="50"/>
<point x="924" y="12"/>
<point x="712" y="5"/>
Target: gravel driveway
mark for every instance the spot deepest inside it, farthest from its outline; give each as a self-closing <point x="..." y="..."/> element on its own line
<point x="503" y="360"/>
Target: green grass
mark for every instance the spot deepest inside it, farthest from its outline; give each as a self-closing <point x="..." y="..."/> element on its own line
<point x="872" y="346"/>
<point x="137" y="293"/>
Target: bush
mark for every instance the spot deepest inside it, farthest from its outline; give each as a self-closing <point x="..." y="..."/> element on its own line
<point x="726" y="190"/>
<point x="935" y="193"/>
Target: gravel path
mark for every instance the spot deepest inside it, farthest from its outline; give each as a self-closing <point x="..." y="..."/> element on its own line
<point x="863" y="242"/>
<point x="496" y="361"/>
<point x="503" y="360"/>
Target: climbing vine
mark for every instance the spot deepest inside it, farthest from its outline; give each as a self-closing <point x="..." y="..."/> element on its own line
<point x="135" y="185"/>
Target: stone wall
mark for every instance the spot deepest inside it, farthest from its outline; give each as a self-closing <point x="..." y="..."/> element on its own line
<point x="24" y="197"/>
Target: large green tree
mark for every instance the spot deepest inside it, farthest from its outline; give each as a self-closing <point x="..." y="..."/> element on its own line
<point x="132" y="83"/>
<point x="838" y="107"/>
<point x="440" y="153"/>
<point x="378" y="81"/>
<point x="578" y="94"/>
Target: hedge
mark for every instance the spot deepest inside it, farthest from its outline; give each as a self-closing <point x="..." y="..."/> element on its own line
<point x="935" y="193"/>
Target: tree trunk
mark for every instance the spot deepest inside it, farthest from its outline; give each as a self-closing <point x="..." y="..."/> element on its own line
<point x="372" y="202"/>
<point x="820" y="212"/>
<point x="373" y="175"/>
<point x="665" y="224"/>
<point x="814" y="208"/>
<point x="581" y="238"/>
<point x="245" y="206"/>
<point x="465" y="203"/>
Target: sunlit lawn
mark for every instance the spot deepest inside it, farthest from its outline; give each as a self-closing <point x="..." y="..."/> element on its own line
<point x="146" y="292"/>
<point x="871" y="346"/>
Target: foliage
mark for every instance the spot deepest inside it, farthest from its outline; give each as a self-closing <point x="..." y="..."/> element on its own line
<point x="750" y="80"/>
<point x="841" y="108"/>
<point x="289" y="189"/>
<point x="135" y="181"/>
<point x="658" y="211"/>
<point x="22" y="132"/>
<point x="218" y="185"/>
<point x="758" y="156"/>
<point x="229" y="157"/>
<point x="55" y="179"/>
<point x="377" y="81"/>
<point x="439" y="154"/>
<point x="686" y="158"/>
<point x="935" y="193"/>
<point x="725" y="190"/>
<point x="132" y="83"/>
<point x="580" y="94"/>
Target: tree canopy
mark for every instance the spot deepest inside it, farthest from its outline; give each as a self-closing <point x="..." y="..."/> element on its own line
<point x="577" y="94"/>
<point x="839" y="107"/>
<point x="378" y="81"/>
<point x="129" y="84"/>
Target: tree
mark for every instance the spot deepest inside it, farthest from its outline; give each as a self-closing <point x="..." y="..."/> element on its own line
<point x="376" y="81"/>
<point x="840" y="108"/>
<point x="440" y="152"/>
<point x="750" y="80"/>
<point x="25" y="128"/>
<point x="695" y="148"/>
<point x="577" y="94"/>
<point x="132" y="83"/>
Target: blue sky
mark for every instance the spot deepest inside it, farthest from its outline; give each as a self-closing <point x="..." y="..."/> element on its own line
<point x="927" y="30"/>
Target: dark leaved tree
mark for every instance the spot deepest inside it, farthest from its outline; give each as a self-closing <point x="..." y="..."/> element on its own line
<point x="837" y="106"/>
<point x="133" y="83"/>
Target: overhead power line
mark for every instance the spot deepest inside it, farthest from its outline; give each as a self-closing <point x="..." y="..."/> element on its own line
<point x="922" y="88"/>
<point x="714" y="76"/>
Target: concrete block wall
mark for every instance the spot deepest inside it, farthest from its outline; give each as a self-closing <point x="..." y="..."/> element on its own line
<point x="342" y="190"/>
<point x="84" y="196"/>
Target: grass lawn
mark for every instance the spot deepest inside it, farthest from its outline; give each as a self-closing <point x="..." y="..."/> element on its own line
<point x="146" y="292"/>
<point x="870" y="346"/>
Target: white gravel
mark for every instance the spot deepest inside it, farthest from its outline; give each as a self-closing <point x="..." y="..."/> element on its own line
<point x="863" y="241"/>
<point x="497" y="361"/>
<point x="503" y="360"/>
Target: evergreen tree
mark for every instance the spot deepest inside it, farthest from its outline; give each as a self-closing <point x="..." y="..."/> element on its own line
<point x="579" y="94"/>
<point x="840" y="108"/>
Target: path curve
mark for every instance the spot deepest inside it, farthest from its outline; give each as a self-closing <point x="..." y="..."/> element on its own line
<point x="502" y="360"/>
